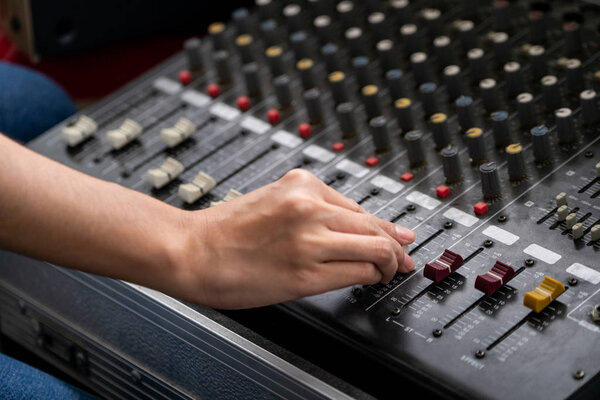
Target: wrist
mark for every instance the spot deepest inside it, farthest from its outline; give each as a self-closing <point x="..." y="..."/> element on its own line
<point x="185" y="248"/>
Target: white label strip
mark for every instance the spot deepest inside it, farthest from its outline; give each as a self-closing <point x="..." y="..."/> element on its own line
<point x="352" y="168"/>
<point x="500" y="235"/>
<point x="195" y="98"/>
<point x="224" y="111"/>
<point x="286" y="139"/>
<point x="319" y="153"/>
<point x="461" y="217"/>
<point x="386" y="183"/>
<point x="423" y="200"/>
<point x="543" y="254"/>
<point x="255" y="125"/>
<point x="585" y="273"/>
<point x="166" y="85"/>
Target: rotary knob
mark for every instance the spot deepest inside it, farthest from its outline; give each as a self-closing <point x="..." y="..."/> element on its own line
<point x="490" y="182"/>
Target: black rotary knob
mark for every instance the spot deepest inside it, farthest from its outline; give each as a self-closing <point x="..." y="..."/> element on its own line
<point x="490" y="182"/>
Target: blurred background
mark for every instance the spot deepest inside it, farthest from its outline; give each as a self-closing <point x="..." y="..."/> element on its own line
<point x="90" y="48"/>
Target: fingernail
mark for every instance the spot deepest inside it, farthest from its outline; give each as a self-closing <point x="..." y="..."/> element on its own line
<point x="405" y="233"/>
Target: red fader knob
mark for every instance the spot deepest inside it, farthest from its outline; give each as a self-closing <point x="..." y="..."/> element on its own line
<point x="442" y="267"/>
<point x="494" y="279"/>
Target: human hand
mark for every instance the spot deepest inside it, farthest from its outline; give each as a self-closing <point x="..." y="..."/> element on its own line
<point x="293" y="238"/>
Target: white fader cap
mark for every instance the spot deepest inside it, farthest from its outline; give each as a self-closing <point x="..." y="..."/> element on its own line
<point x="168" y="171"/>
<point x="77" y="132"/>
<point x="202" y="184"/>
<point x="183" y="129"/>
<point x="126" y="133"/>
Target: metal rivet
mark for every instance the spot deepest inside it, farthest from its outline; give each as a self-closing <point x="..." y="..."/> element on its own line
<point x="480" y="354"/>
<point x="437" y="332"/>
<point x="411" y="207"/>
<point x="502" y="218"/>
<point x="396" y="311"/>
<point x="375" y="191"/>
<point x="529" y="262"/>
<point x="135" y="376"/>
<point x="80" y="358"/>
<point x="22" y="306"/>
<point x="589" y="154"/>
<point x="340" y="175"/>
<point x="448" y="224"/>
<point x="579" y="374"/>
<point x="488" y="243"/>
<point x="573" y="281"/>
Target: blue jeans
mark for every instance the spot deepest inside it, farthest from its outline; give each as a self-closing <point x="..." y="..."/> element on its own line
<point x="29" y="105"/>
<point x="19" y="381"/>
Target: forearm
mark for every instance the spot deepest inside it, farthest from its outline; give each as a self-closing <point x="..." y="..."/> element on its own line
<point x="292" y="238"/>
<point x="54" y="213"/>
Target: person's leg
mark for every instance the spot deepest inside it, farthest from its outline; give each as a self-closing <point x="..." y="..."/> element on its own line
<point x="19" y="381"/>
<point x="30" y="103"/>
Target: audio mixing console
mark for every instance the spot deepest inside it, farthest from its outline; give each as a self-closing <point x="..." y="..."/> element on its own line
<point x="476" y="124"/>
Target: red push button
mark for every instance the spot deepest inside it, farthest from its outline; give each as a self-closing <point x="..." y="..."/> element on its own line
<point x="372" y="161"/>
<point x="442" y="191"/>
<point x="243" y="103"/>
<point x="338" y="146"/>
<point x="480" y="208"/>
<point x="304" y="130"/>
<point x="407" y="176"/>
<point x="185" y="77"/>
<point x="213" y="90"/>
<point x="273" y="116"/>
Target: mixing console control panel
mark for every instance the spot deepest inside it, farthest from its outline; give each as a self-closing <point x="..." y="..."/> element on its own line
<point x="476" y="124"/>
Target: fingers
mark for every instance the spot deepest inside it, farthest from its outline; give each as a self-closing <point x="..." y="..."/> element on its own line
<point x="340" y="274"/>
<point x="386" y="254"/>
<point x="367" y="224"/>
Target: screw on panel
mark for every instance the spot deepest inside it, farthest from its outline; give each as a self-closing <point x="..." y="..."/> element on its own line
<point x="529" y="262"/>
<point x="340" y="175"/>
<point x="573" y="281"/>
<point x="395" y="311"/>
<point x="579" y="374"/>
<point x="411" y="207"/>
<point x="448" y="224"/>
<point x="357" y="291"/>
<point x="135" y="375"/>
<point x="480" y="353"/>
<point x="488" y="243"/>
<point x="22" y="306"/>
<point x="502" y="218"/>
<point x="437" y="332"/>
<point x="589" y="154"/>
<point x="81" y="362"/>
<point x="375" y="191"/>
